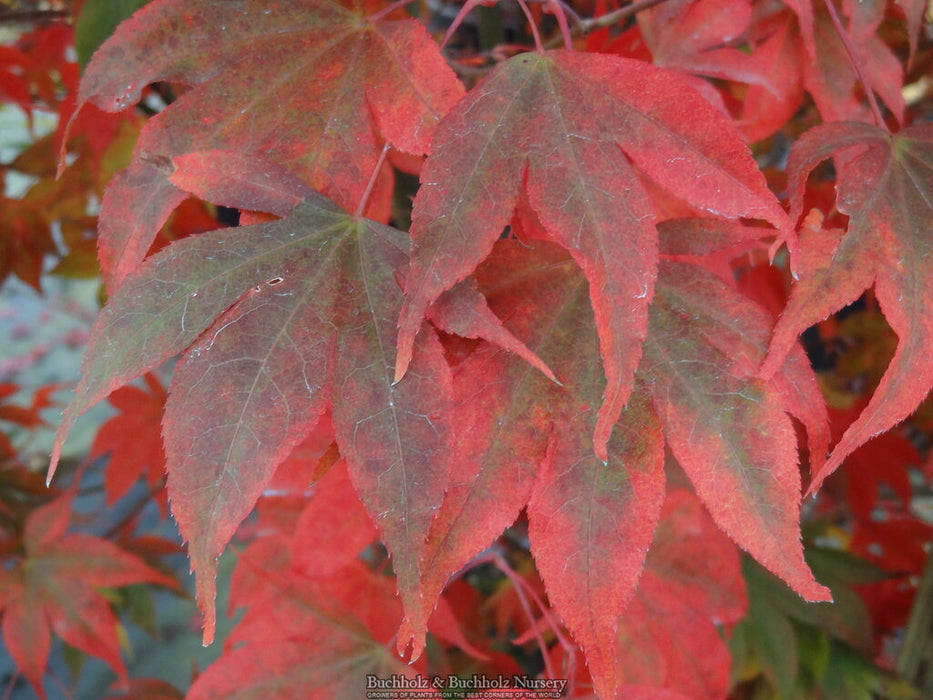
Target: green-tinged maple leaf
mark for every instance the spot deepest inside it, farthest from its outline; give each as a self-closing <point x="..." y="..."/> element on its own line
<point x="729" y="431"/>
<point x="568" y="127"/>
<point x="277" y="321"/>
<point x="54" y="587"/>
<point x="312" y="85"/>
<point x="884" y="187"/>
<point x="590" y="522"/>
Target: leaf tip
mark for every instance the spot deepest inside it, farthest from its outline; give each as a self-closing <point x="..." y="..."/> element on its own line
<point x="402" y="360"/>
<point x="207" y="636"/>
<point x="601" y="440"/>
<point x="818" y="593"/>
<point x="53" y="464"/>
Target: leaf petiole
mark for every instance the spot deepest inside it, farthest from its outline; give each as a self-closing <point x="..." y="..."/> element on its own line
<point x="856" y="66"/>
<point x="361" y="207"/>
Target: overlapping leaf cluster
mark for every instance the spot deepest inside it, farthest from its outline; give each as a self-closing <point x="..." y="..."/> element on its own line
<point x="557" y="319"/>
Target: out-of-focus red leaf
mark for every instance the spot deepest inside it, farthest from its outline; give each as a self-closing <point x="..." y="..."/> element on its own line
<point x="665" y="642"/>
<point x="893" y="541"/>
<point x="766" y="109"/>
<point x="333" y="528"/>
<point x="702" y="38"/>
<point x="885" y="189"/>
<point x="133" y="438"/>
<point x="564" y="125"/>
<point x="54" y="587"/>
<point x="443" y="624"/>
<point x="668" y="638"/>
<point x="311" y="84"/>
<point x="14" y="65"/>
<point x="21" y="415"/>
<point x="696" y="561"/>
<point x="884" y="460"/>
<point x="831" y="79"/>
<point x="301" y="638"/>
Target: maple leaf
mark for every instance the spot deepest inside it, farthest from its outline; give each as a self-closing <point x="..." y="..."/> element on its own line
<point x="21" y="415"/>
<point x="780" y="50"/>
<point x="884" y="188"/>
<point x="333" y="527"/>
<point x="505" y="411"/>
<point x="53" y="587"/>
<point x="692" y="582"/>
<point x="278" y="321"/>
<point x="699" y="37"/>
<point x="565" y="126"/>
<point x="309" y="638"/>
<point x="590" y="522"/>
<point x="729" y="431"/>
<point x="26" y="241"/>
<point x="310" y="84"/>
<point x="832" y="80"/>
<point x="133" y="439"/>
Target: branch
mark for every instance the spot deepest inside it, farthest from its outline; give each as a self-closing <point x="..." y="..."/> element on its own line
<point x="16" y="16"/>
<point x="586" y="26"/>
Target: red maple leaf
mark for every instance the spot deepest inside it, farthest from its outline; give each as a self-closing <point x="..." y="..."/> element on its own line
<point x="590" y="522"/>
<point x="884" y="188"/>
<point x="832" y="79"/>
<point x="299" y="633"/>
<point x="53" y="586"/>
<point x="313" y="85"/>
<point x="133" y="439"/>
<point x="568" y="127"/>
<point x="277" y="320"/>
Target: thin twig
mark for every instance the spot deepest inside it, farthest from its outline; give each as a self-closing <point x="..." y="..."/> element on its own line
<point x="592" y="24"/>
<point x="34" y="16"/>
